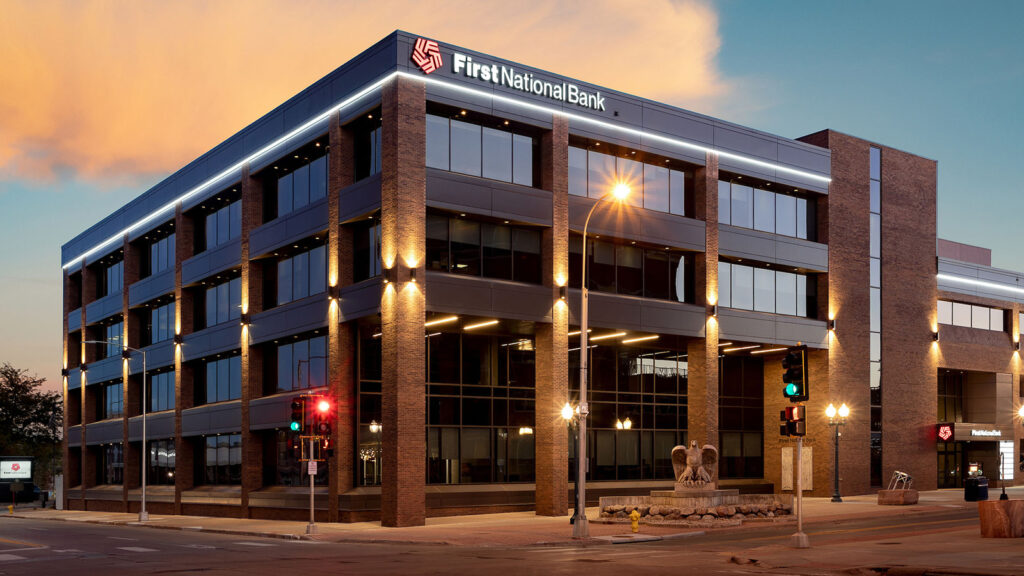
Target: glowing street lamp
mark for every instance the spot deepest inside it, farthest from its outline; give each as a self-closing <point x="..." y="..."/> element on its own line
<point x="580" y="529"/>
<point x="837" y="418"/>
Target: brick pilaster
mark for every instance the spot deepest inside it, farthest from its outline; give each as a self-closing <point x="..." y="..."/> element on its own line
<point x="403" y="244"/>
<point x="341" y="340"/>
<point x="252" y="361"/>
<point x="552" y="361"/>
<point x="702" y="391"/>
<point x="184" y="246"/>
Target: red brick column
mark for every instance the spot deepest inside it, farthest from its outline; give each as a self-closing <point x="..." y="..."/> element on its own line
<point x="341" y="339"/>
<point x="184" y="246"/>
<point x="252" y="360"/>
<point x="69" y="301"/>
<point x="702" y="383"/>
<point x="403" y="244"/>
<point x="552" y="360"/>
<point x="130" y="328"/>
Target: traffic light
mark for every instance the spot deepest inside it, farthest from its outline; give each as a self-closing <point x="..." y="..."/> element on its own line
<point x="795" y="375"/>
<point x="298" y="422"/>
<point x="792" y="421"/>
<point x="322" y="418"/>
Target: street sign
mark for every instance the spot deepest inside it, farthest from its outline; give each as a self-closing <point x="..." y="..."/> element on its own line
<point x="312" y="467"/>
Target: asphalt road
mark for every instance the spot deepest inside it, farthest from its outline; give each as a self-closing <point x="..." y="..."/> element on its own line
<point x="57" y="548"/>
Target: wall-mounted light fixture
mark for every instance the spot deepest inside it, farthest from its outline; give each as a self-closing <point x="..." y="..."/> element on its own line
<point x="126" y="354"/>
<point x="244" y="319"/>
<point x="714" y="310"/>
<point x="179" y="339"/>
<point x="832" y="324"/>
<point x="64" y="371"/>
<point x="412" y="275"/>
<point x="563" y="292"/>
<point x="935" y="336"/>
<point x="84" y="367"/>
<point x="391" y="274"/>
<point x="334" y="292"/>
<point x="1016" y="345"/>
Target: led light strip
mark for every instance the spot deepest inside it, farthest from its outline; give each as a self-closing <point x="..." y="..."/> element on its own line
<point x="620" y="128"/>
<point x="768" y="350"/>
<point x="237" y="167"/>
<point x="981" y="283"/>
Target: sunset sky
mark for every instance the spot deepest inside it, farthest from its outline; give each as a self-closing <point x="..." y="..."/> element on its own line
<point x="101" y="100"/>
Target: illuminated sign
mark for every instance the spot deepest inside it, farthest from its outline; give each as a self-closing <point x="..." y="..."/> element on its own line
<point x="16" y="470"/>
<point x="945" y="432"/>
<point x="995" y="433"/>
<point x="526" y="82"/>
<point x="427" y="55"/>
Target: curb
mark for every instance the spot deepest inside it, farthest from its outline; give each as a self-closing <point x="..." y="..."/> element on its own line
<point x="137" y="524"/>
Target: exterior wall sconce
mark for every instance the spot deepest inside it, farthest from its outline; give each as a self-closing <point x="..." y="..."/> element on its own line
<point x="563" y="292"/>
<point x="84" y="367"/>
<point x="64" y="372"/>
<point x="832" y="324"/>
<point x="1016" y="345"/>
<point x="179" y="339"/>
<point x="935" y="336"/>
<point x="714" y="310"/>
<point x="391" y="275"/>
<point x="126" y="354"/>
<point x="412" y="275"/>
<point x="334" y="292"/>
<point x="244" y="319"/>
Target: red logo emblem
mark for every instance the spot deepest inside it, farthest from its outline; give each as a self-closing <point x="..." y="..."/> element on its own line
<point x="945" y="432"/>
<point x="15" y="467"/>
<point x="427" y="55"/>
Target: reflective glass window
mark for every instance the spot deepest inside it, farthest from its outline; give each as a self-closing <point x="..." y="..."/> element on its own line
<point x="465" y="247"/>
<point x="300" y="187"/>
<point x="724" y="202"/>
<point x="743" y="287"/>
<point x="876" y="309"/>
<point x="980" y="317"/>
<point x="526" y="246"/>
<point x="996" y="321"/>
<point x="876" y="236"/>
<point x="724" y="284"/>
<point x="764" y="290"/>
<point x="631" y="172"/>
<point x="629" y="267"/>
<point x="742" y="206"/>
<point x="602" y="268"/>
<point x="657" y="276"/>
<point x="785" y="215"/>
<point x="876" y="196"/>
<point x="465" y="148"/>
<point x="876" y="163"/>
<point x="437" y="142"/>
<point x="497" y="154"/>
<point x="656" y="188"/>
<point x="577" y="171"/>
<point x="945" y="312"/>
<point x="801" y="218"/>
<point x="522" y="160"/>
<point x="961" y="314"/>
<point x="785" y="293"/>
<point x="600" y="173"/>
<point x="677" y="192"/>
<point x="764" y="210"/>
<point x="876" y="272"/>
<point x="497" y="251"/>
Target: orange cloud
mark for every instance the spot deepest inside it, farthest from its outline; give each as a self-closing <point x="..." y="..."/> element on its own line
<point x="109" y="90"/>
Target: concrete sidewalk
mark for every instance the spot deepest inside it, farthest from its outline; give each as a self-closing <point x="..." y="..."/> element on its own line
<point x="507" y="529"/>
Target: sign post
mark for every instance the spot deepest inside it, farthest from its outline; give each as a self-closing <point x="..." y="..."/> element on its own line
<point x="799" y="540"/>
<point x="311" y="529"/>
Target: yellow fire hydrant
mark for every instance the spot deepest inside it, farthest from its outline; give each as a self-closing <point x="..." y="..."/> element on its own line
<point x="10" y="509"/>
<point x="634" y="520"/>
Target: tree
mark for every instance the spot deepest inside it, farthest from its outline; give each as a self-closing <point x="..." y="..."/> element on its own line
<point x="31" y="419"/>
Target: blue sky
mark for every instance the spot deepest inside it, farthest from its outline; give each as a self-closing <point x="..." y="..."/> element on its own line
<point x="940" y="79"/>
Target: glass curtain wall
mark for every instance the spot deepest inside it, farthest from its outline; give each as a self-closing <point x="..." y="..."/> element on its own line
<point x="875" y="288"/>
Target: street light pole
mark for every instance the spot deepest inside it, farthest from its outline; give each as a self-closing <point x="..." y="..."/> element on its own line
<point x="143" y="515"/>
<point x="580" y="528"/>
<point x="836" y="418"/>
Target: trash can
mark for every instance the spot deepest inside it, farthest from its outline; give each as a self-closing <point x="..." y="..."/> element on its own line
<point x="976" y="489"/>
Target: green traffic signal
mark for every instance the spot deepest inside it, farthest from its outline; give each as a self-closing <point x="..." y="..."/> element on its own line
<point x="791" y="390"/>
<point x="295" y="426"/>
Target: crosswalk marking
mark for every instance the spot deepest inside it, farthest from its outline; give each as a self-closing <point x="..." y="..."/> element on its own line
<point x="136" y="549"/>
<point x="254" y="544"/>
<point x="7" y="557"/>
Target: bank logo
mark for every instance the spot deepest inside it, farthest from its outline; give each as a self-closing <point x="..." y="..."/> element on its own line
<point x="427" y="55"/>
<point x="945" y="432"/>
<point x="15" y="467"/>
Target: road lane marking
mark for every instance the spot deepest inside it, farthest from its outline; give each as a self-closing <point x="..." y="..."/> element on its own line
<point x="121" y="538"/>
<point x="67" y="551"/>
<point x="198" y="546"/>
<point x="7" y="557"/>
<point x="865" y="529"/>
<point x="254" y="544"/>
<point x="136" y="549"/>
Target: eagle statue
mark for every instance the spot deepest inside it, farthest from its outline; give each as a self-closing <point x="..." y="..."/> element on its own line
<point x="694" y="466"/>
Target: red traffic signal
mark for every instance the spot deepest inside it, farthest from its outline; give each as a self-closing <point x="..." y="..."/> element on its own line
<point x="791" y="421"/>
<point x="323" y="406"/>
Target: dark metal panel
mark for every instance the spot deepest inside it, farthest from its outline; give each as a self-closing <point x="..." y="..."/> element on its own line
<point x="158" y="426"/>
<point x="74" y="379"/>
<point x="214" y="340"/>
<point x="746" y="326"/>
<point x="104" y="432"/>
<point x="458" y="295"/>
<point x="772" y="248"/>
<point x="632" y="223"/>
<point x="269" y="413"/>
<point x="204" y="264"/>
<point x="746" y="142"/>
<point x="522" y="204"/>
<point x="664" y="317"/>
<point x="159" y="355"/>
<point x="359" y="300"/>
<point x="360" y="198"/>
<point x="104" y="307"/>
<point x="306" y="314"/>
<point x="74" y="435"/>
<point x="614" y="311"/>
<point x="224" y="417"/>
<point x="461" y="193"/>
<point x="152" y="287"/>
<point x="672" y="124"/>
<point x="104" y="370"/>
<point x="75" y="320"/>
<point x="448" y="190"/>
<point x="289" y="228"/>
<point x="790" y="330"/>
